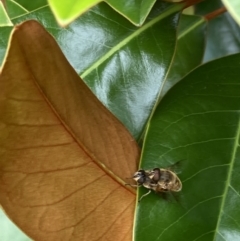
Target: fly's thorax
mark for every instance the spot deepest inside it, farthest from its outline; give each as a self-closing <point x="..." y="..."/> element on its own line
<point x="155" y="174"/>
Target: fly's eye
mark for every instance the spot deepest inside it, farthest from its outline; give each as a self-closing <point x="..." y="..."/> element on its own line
<point x="136" y="175"/>
<point x="141" y="180"/>
<point x="140" y="173"/>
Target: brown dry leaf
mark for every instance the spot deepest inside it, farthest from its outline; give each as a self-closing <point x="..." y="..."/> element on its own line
<point x="63" y="155"/>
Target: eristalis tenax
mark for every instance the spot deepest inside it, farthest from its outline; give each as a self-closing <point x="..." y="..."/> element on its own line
<point x="159" y="180"/>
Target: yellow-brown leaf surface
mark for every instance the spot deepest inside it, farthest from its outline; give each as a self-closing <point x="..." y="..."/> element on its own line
<point x="63" y="155"/>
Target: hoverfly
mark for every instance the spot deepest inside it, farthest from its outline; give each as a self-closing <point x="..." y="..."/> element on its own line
<point x="158" y="179"/>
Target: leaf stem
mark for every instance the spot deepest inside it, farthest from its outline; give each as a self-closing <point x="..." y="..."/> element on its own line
<point x="215" y="13"/>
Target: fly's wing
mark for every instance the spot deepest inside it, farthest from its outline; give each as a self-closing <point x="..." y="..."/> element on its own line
<point x="176" y="167"/>
<point x="171" y="197"/>
<point x="168" y="196"/>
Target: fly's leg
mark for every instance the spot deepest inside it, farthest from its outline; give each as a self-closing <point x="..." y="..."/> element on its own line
<point x="144" y="195"/>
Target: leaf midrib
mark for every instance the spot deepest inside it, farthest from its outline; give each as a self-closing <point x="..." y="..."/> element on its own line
<point x="189" y="29"/>
<point x="173" y="8"/>
<point x="228" y="179"/>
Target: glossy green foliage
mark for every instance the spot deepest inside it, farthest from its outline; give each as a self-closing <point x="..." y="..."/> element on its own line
<point x="223" y="34"/>
<point x="233" y="6"/>
<point x="66" y="11"/>
<point x="14" y="9"/>
<point x="197" y="122"/>
<point x="191" y="42"/>
<point x="134" y="10"/>
<point x="31" y="5"/>
<point x="4" y="18"/>
<point x="134" y="65"/>
<point x="5" y="33"/>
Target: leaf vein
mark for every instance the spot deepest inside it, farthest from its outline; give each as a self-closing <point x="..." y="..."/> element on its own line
<point x="129" y="38"/>
<point x="193" y="143"/>
<point x="197" y="113"/>
<point x="202" y="235"/>
<point x="228" y="177"/>
<point x="172" y="224"/>
<point x="204" y="169"/>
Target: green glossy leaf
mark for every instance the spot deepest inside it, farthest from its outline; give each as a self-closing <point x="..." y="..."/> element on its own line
<point x="189" y="51"/>
<point x="118" y="61"/>
<point x="223" y="35"/>
<point x="4" y="18"/>
<point x="14" y="9"/>
<point x="5" y="33"/>
<point x="9" y="231"/>
<point x="233" y="6"/>
<point x="66" y="11"/>
<point x="31" y="5"/>
<point x="198" y="122"/>
<point x="127" y="81"/>
<point x="134" y="10"/>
